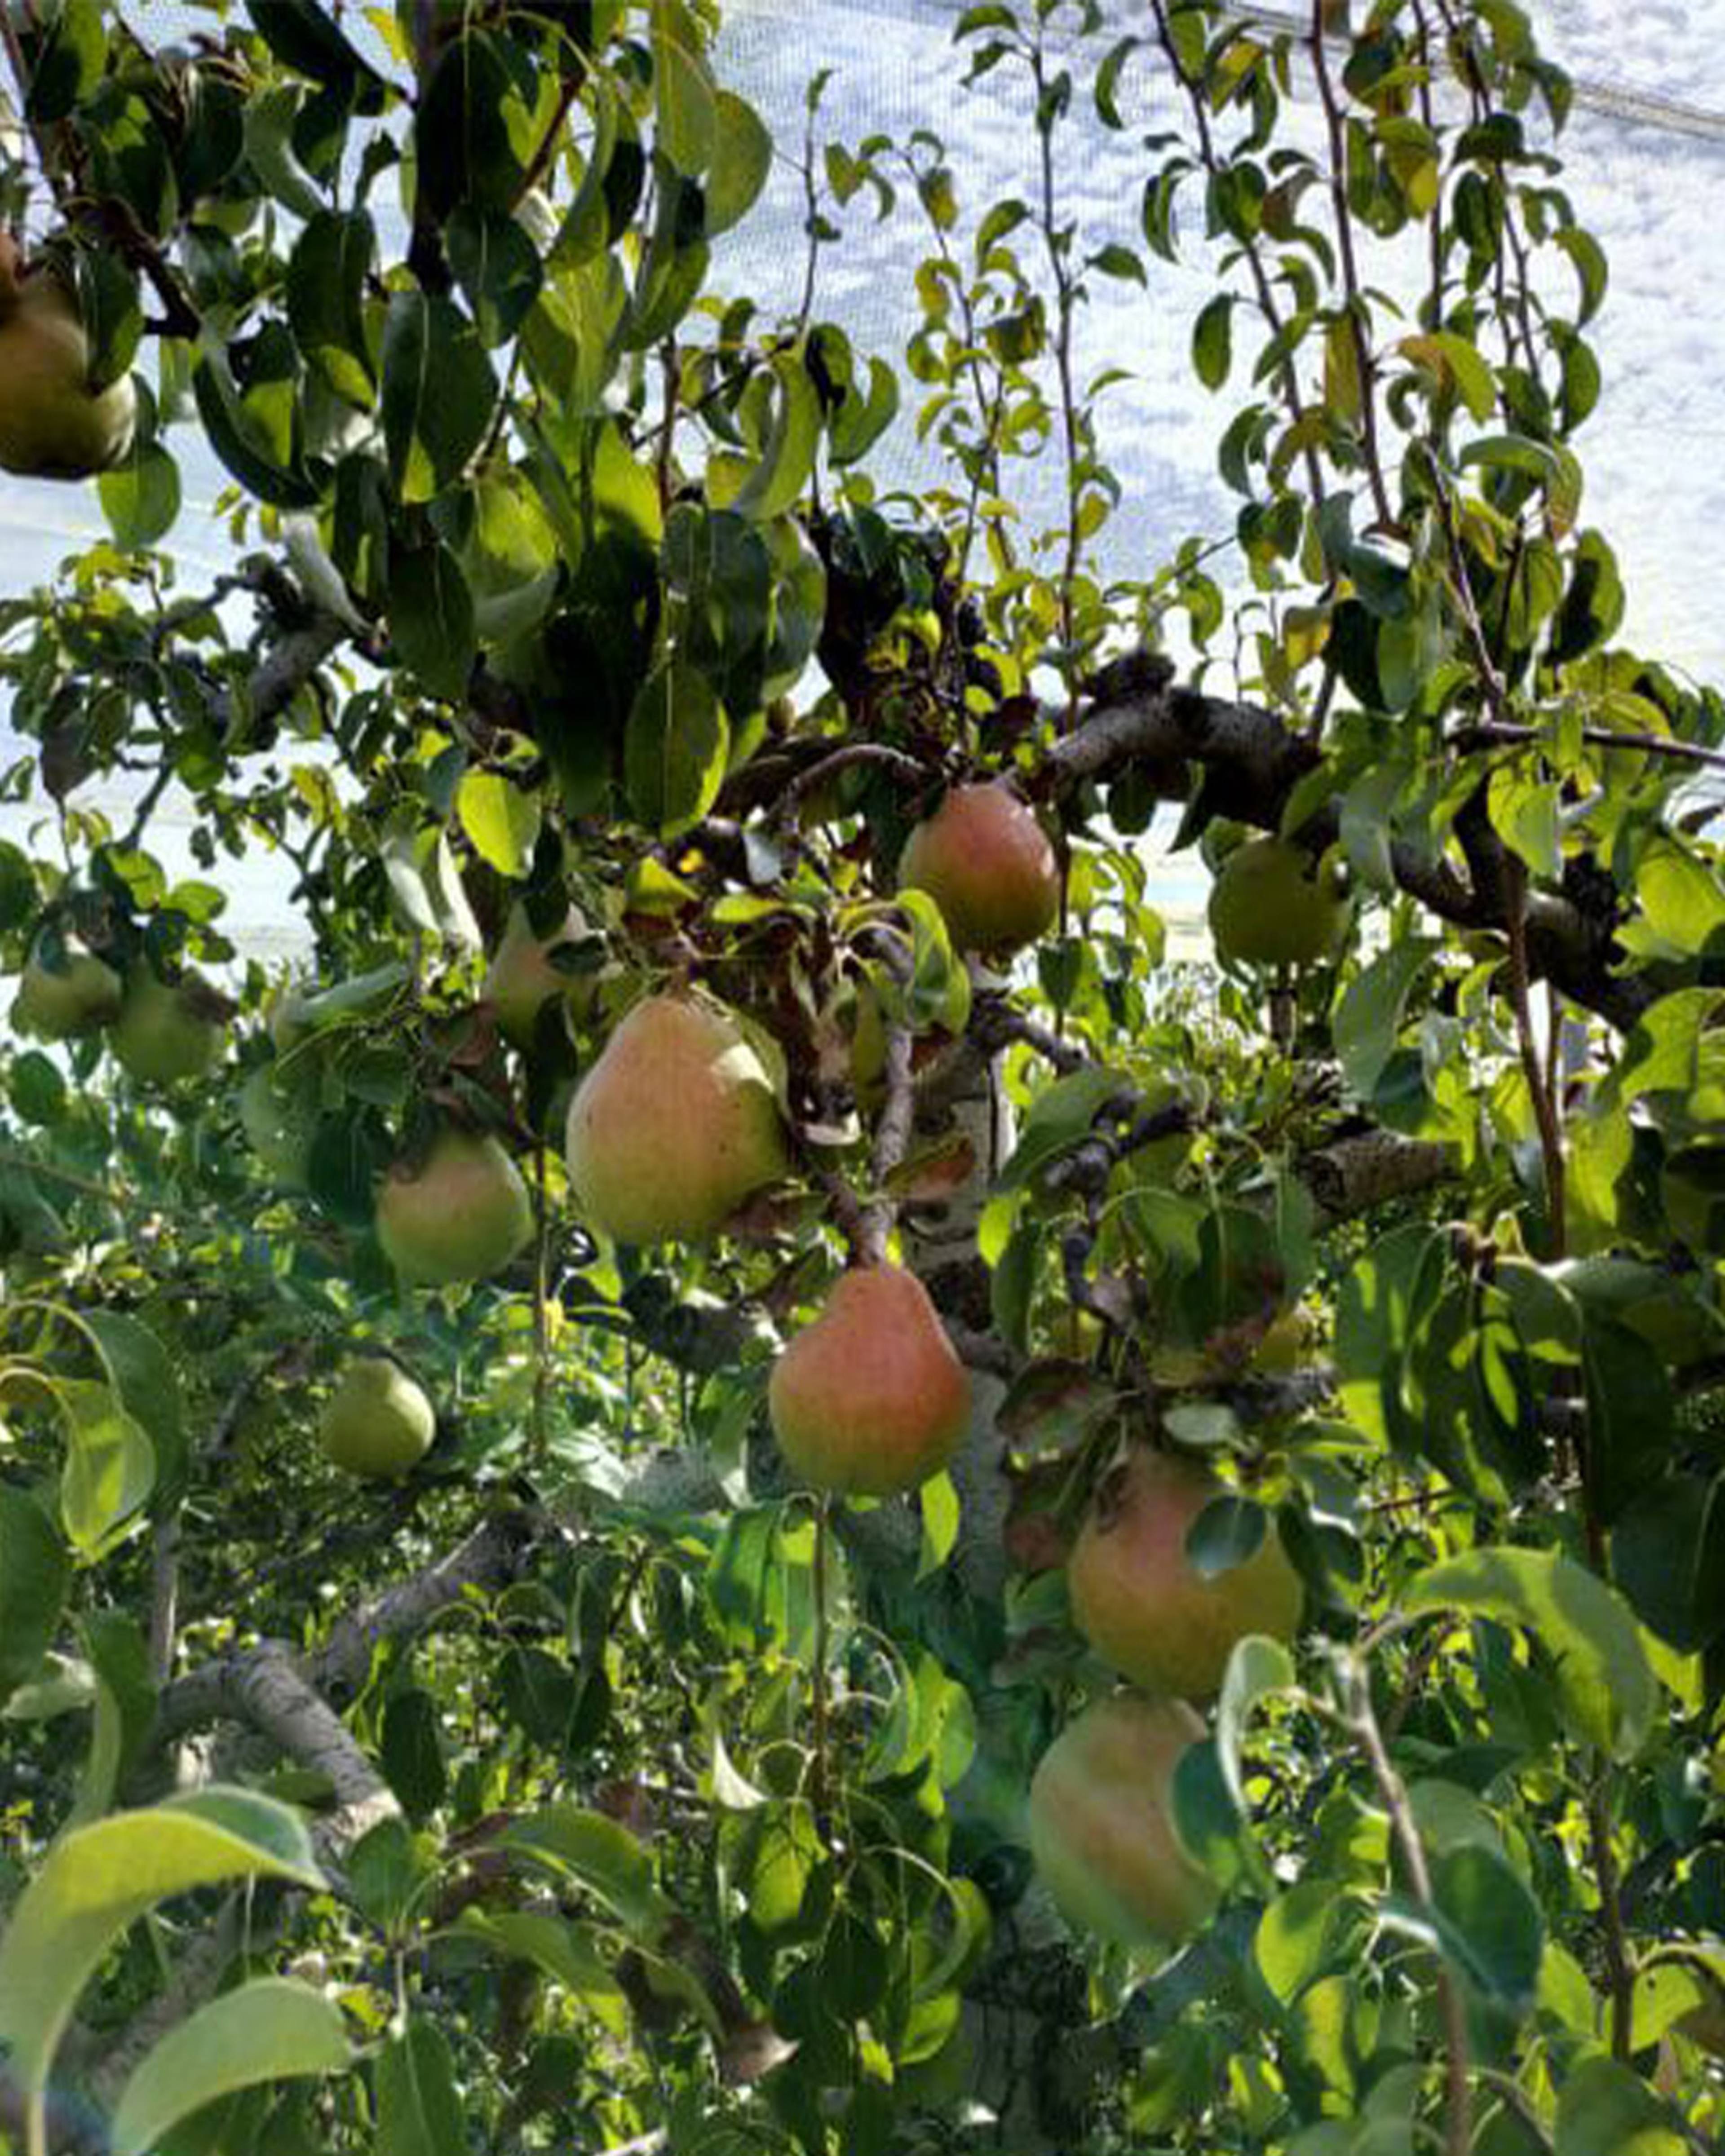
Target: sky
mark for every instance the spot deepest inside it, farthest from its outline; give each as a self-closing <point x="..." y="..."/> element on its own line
<point x="1654" y="450"/>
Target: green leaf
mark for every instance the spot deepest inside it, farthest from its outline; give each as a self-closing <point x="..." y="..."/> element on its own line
<point x="1212" y="340"/>
<point x="303" y="36"/>
<point x="325" y="301"/>
<point x="1668" y="1557"/>
<point x="1257" y="1669"/>
<point x="566" y="1953"/>
<point x="35" y="1574"/>
<point x="431" y="619"/>
<point x="140" y="495"/>
<point x="465" y="149"/>
<point x="418" y="2108"/>
<point x="1523" y="804"/>
<point x="502" y="822"/>
<point x="99" y="1879"/>
<point x="675" y="748"/>
<point x="497" y="267"/>
<point x="774" y="484"/>
<point x="938" y="1503"/>
<point x="238" y="443"/>
<point x="66" y="62"/>
<point x="1228" y="1532"/>
<point x="684" y="102"/>
<point x="410" y="1752"/>
<point x="1605" y="1689"/>
<point x="1490" y="1922"/>
<point x="265" y="2030"/>
<point x="1454" y="358"/>
<point x="439" y="391"/>
<point x="148" y="1387"/>
<point x="600" y="1854"/>
<point x="124" y="1708"/>
<point x="1296" y="1936"/>
<point x="1606" y="2110"/>
<point x="741" y="159"/>
<point x="1369" y="1015"/>
<point x="1060" y="1117"/>
<point x="1585" y="252"/>
<point x="109" y="1468"/>
<point x="1631" y="1414"/>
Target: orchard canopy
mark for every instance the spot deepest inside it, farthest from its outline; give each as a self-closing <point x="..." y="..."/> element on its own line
<point x="736" y="1475"/>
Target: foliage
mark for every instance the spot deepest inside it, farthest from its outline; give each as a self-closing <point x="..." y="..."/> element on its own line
<point x="594" y="1785"/>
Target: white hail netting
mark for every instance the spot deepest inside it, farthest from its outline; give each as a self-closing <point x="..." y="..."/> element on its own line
<point x="1645" y="153"/>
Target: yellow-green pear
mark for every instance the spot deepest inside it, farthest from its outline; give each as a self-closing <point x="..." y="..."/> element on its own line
<point x="459" y="1213"/>
<point x="167" y="1031"/>
<point x="69" y="1001"/>
<point x="51" y="426"/>
<point x="521" y="978"/>
<point x="377" y="1422"/>
<point x="1273" y="905"/>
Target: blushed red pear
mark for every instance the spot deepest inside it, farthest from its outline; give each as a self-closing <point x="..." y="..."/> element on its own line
<point x="988" y="865"/>
<point x="1142" y="1603"/>
<point x="871" y="1399"/>
<point x="1101" y="1823"/>
<point x="674" y="1126"/>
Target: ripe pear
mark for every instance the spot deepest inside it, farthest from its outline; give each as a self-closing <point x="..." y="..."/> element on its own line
<point x="166" y="1030"/>
<point x="377" y="1422"/>
<point x="1102" y="1829"/>
<point x="1142" y="1603"/>
<point x="988" y="865"/>
<point x="871" y="1399"/>
<point x="51" y="426"/>
<point x="1272" y="905"/>
<point x="674" y="1126"/>
<point x="69" y="1001"/>
<point x="522" y="980"/>
<point x="459" y="1214"/>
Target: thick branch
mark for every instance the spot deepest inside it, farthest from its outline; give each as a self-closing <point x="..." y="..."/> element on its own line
<point x="1252" y="763"/>
<point x="1353" y="1174"/>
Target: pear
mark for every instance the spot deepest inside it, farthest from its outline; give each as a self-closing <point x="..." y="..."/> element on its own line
<point x="522" y="980"/>
<point x="1101" y="1823"/>
<point x="377" y="1422"/>
<point x="674" y="1126"/>
<point x="51" y="426"/>
<point x="871" y="1399"/>
<point x="459" y="1214"/>
<point x="68" y="1001"/>
<point x="1142" y="1603"/>
<point x="1272" y="905"/>
<point x="166" y="1031"/>
<point x="987" y="865"/>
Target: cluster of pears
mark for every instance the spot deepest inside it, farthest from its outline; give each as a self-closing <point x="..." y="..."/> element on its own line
<point x="160" y="1032"/>
<point x="676" y="1125"/>
<point x="51" y="424"/>
<point x="1100" y="1817"/>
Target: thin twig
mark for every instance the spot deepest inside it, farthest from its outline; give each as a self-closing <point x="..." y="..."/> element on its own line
<point x="1351" y="287"/>
<point x="1458" y="2127"/>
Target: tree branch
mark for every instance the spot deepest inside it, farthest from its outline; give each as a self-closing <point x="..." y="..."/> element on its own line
<point x="1252" y="763"/>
